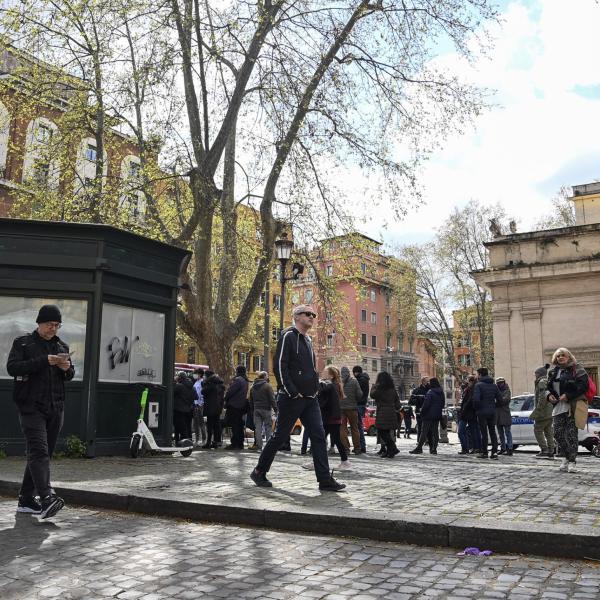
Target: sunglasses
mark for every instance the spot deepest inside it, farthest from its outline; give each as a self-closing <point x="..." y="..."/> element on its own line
<point x="309" y="314"/>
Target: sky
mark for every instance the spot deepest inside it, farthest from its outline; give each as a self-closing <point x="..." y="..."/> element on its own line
<point x="543" y="133"/>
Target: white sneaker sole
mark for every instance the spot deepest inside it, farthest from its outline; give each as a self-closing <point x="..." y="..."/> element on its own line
<point x="52" y="509"/>
<point x="28" y="511"/>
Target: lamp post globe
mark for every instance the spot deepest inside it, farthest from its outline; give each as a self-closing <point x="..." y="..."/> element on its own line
<point x="283" y="247"/>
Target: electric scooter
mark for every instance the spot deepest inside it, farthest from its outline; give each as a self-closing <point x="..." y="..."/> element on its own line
<point x="142" y="439"/>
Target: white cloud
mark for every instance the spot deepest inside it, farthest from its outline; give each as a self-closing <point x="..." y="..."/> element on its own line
<point x="543" y="135"/>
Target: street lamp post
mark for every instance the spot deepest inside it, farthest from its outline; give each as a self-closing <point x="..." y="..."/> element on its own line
<point x="284" y="248"/>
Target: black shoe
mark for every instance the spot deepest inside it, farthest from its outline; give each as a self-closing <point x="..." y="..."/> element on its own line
<point x="302" y="452"/>
<point x="463" y="452"/>
<point x="29" y="506"/>
<point x="509" y="452"/>
<point x="382" y="451"/>
<point x="206" y="446"/>
<point x="260" y="479"/>
<point x="363" y="450"/>
<point x="482" y="455"/>
<point x="432" y="451"/>
<point x="416" y="450"/>
<point x="331" y="485"/>
<point x="51" y="505"/>
<point x="494" y="456"/>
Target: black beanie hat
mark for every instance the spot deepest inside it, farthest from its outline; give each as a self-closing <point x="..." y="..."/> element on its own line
<point x="49" y="312"/>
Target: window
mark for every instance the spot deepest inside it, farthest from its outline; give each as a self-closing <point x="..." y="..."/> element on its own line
<point x="365" y="364"/>
<point x="363" y="316"/>
<point x="373" y="318"/>
<point x="91" y="153"/>
<point x="134" y="170"/>
<point x="411" y="342"/>
<point x="262" y="299"/>
<point x="373" y="341"/>
<point x="387" y="298"/>
<point x="400" y="342"/>
<point x="464" y="360"/>
<point x="374" y="365"/>
<point x="330" y="340"/>
<point x="277" y="301"/>
<point x="275" y="333"/>
<point x="40" y="165"/>
<point x="388" y="341"/>
<point x="373" y="296"/>
<point x="387" y="320"/>
<point x="191" y="354"/>
<point x="363" y="339"/>
<point x="363" y="268"/>
<point x="329" y="361"/>
<point x="133" y="200"/>
<point x="43" y="134"/>
<point x="243" y="359"/>
<point x="256" y="363"/>
<point x="308" y="295"/>
<point x="4" y="136"/>
<point x="329" y="270"/>
<point x="329" y="316"/>
<point x="295" y="298"/>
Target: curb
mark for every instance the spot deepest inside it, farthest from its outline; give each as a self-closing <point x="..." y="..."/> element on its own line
<point x="567" y="541"/>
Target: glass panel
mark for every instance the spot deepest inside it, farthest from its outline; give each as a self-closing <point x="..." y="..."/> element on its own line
<point x="17" y="317"/>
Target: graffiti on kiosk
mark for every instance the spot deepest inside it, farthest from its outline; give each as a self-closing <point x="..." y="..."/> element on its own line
<point x="149" y="373"/>
<point x="119" y="351"/>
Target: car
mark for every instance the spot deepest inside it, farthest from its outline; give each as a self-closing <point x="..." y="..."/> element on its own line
<point x="369" y="422"/>
<point x="521" y="408"/>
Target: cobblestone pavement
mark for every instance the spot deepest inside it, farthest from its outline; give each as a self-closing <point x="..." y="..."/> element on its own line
<point x="92" y="554"/>
<point x="517" y="489"/>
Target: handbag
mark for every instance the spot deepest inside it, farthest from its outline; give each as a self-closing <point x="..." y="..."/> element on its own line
<point x="581" y="413"/>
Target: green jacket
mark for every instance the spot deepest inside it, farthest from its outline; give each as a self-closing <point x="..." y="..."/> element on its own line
<point x="543" y="408"/>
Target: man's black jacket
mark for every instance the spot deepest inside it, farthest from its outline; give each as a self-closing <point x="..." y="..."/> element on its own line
<point x="294" y="364"/>
<point x="38" y="385"/>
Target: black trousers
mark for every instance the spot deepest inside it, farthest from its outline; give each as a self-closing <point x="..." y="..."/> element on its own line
<point x="333" y="430"/>
<point x="41" y="432"/>
<point x="308" y="411"/>
<point x="182" y="424"/>
<point x="488" y="423"/>
<point x="213" y="429"/>
<point x="235" y="419"/>
<point x="430" y="432"/>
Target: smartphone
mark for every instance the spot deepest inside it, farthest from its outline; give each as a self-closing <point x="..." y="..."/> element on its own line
<point x="64" y="355"/>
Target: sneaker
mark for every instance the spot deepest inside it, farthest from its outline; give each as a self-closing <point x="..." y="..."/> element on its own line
<point x="309" y="466"/>
<point x="432" y="451"/>
<point x="571" y="468"/>
<point x="564" y="465"/>
<point x="482" y="455"/>
<point x="363" y="450"/>
<point x="331" y="485"/>
<point x="502" y="451"/>
<point x="260" y="479"/>
<point x="51" y="504"/>
<point x="344" y="465"/>
<point x="509" y="452"/>
<point x="542" y="454"/>
<point x="463" y="452"/>
<point x="550" y="455"/>
<point x="29" y="506"/>
<point x="416" y="450"/>
<point x="494" y="456"/>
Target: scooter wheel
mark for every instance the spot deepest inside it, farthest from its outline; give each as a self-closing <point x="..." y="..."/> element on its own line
<point x="134" y="446"/>
<point x="596" y="450"/>
<point x="183" y="444"/>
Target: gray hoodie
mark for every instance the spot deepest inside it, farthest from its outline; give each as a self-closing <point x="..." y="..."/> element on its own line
<point x="352" y="391"/>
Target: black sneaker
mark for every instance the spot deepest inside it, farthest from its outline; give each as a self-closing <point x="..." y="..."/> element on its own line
<point x="331" y="485"/>
<point x="260" y="479"/>
<point x="416" y="450"/>
<point x="494" y="456"/>
<point x="51" y="505"/>
<point x="29" y="506"/>
<point x="482" y="455"/>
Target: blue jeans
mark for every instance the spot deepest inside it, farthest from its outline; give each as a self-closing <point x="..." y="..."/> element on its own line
<point x="289" y="410"/>
<point x="362" y="409"/>
<point x="463" y="436"/>
<point x="474" y="434"/>
<point x="505" y="435"/>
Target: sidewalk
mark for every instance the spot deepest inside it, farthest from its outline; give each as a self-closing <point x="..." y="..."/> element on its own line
<point x="516" y="504"/>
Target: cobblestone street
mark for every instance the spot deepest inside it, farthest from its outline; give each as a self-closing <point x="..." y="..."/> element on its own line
<point x="95" y="554"/>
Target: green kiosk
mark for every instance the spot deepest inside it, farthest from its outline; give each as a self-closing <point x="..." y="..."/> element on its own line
<point x="117" y="292"/>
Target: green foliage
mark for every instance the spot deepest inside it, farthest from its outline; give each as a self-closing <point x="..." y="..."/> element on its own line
<point x="2" y="453"/>
<point x="75" y="447"/>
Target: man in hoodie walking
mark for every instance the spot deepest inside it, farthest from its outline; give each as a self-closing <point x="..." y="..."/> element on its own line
<point x="262" y="403"/>
<point x="363" y="381"/>
<point x="297" y="386"/>
<point x="349" y="405"/>
<point x="485" y="396"/>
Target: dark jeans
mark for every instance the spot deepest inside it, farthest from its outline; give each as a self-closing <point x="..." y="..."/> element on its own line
<point x="307" y="410"/>
<point x="362" y="409"/>
<point x="182" y="424"/>
<point x="407" y="426"/>
<point x="387" y="439"/>
<point x="235" y="419"/>
<point x="333" y="429"/>
<point x="488" y="423"/>
<point x="430" y="432"/>
<point x="474" y="434"/>
<point x="213" y="429"/>
<point x="419" y="426"/>
<point x="41" y="432"/>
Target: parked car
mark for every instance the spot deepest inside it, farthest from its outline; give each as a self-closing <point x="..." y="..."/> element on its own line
<point x="522" y="425"/>
<point x="369" y="422"/>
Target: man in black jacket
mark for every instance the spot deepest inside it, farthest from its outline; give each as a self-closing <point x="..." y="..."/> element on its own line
<point x="40" y="364"/>
<point x="236" y="406"/>
<point x="297" y="385"/>
<point x="417" y="397"/>
<point x="485" y="396"/>
<point x="363" y="381"/>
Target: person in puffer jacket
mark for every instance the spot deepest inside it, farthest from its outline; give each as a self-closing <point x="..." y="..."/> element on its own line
<point x="349" y="404"/>
<point x="485" y="396"/>
<point x="431" y="414"/>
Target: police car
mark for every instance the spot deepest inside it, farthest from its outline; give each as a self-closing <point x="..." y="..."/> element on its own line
<point x="522" y="425"/>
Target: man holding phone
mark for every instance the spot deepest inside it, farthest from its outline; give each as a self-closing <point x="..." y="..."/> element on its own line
<point x="40" y="364"/>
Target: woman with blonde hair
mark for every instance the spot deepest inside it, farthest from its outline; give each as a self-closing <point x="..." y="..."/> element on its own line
<point x="567" y="383"/>
<point x="330" y="394"/>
